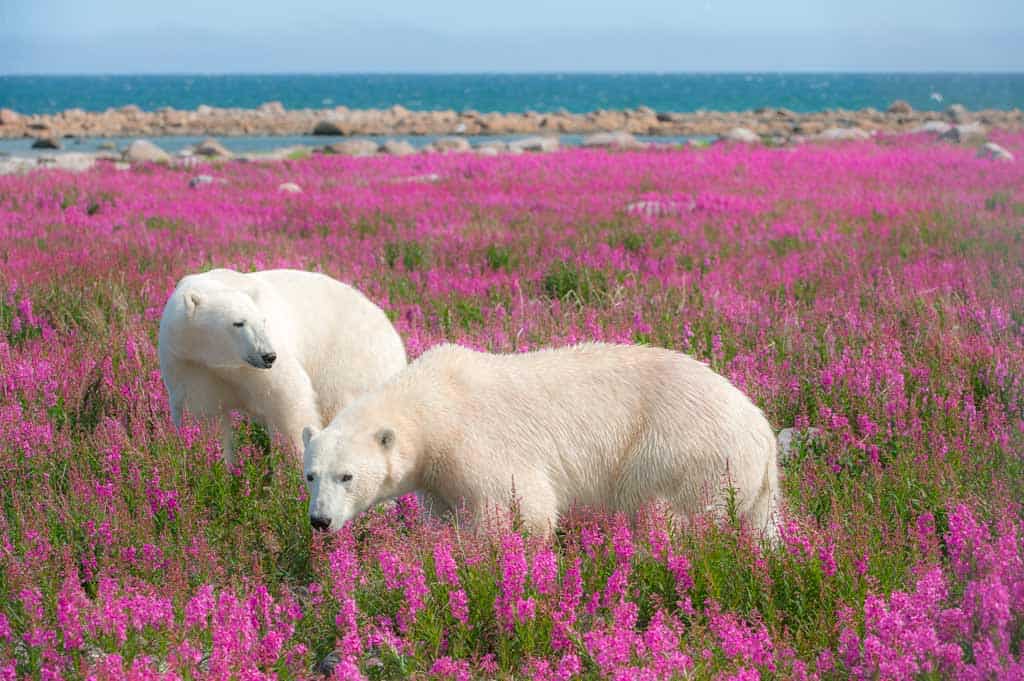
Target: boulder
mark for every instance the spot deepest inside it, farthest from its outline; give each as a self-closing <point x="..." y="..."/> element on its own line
<point x="353" y="147"/>
<point x="289" y="188"/>
<point x="958" y="113"/>
<point x="612" y="140"/>
<point x="76" y="162"/>
<point x="932" y="128"/>
<point x="452" y="144"/>
<point x="204" y="110"/>
<point x="966" y="133"/>
<point x="788" y="437"/>
<point x="8" y="117"/>
<point x="46" y="143"/>
<point x="397" y="148"/>
<point x="488" y="151"/>
<point x="328" y="126"/>
<point x="654" y="208"/>
<point x="742" y="135"/>
<point x="272" y="108"/>
<point x="842" y="135"/>
<point x="200" y="180"/>
<point x="144" y="151"/>
<point x="537" y="143"/>
<point x="993" y="151"/>
<point x="900" y="108"/>
<point x="211" y="148"/>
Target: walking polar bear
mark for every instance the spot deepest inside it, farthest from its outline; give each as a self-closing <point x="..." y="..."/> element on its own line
<point x="606" y="426"/>
<point x="288" y="348"/>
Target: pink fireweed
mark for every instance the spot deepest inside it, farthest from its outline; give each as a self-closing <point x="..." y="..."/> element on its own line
<point x="871" y="290"/>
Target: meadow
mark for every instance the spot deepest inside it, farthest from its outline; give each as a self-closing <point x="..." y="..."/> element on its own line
<point x="872" y="290"/>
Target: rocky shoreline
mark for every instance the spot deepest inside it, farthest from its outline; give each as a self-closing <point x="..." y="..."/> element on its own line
<point x="271" y="118"/>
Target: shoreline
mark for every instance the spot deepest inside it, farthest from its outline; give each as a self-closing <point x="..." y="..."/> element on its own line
<point x="272" y="119"/>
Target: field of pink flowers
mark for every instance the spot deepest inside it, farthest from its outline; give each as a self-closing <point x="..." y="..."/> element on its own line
<point x="874" y="290"/>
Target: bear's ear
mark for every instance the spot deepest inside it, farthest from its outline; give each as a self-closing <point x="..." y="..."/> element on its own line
<point x="385" y="438"/>
<point x="308" y="433"/>
<point x="192" y="299"/>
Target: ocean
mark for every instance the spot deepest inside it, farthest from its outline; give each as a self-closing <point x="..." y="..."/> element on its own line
<point x="519" y="92"/>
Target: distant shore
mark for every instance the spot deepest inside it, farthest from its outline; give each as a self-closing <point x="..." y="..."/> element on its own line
<point x="273" y="119"/>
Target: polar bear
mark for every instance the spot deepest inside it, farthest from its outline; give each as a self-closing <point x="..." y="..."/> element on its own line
<point x="606" y="426"/>
<point x="287" y="348"/>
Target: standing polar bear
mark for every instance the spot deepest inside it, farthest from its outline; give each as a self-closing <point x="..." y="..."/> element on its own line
<point x="606" y="426"/>
<point x="286" y="347"/>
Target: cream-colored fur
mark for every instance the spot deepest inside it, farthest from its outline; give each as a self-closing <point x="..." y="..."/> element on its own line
<point x="606" y="426"/>
<point x="331" y="343"/>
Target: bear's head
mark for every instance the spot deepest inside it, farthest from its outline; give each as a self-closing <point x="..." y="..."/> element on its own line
<point x="357" y="461"/>
<point x="226" y="329"/>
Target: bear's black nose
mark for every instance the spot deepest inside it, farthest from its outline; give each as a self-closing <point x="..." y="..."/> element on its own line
<point x="319" y="522"/>
<point x="268" y="358"/>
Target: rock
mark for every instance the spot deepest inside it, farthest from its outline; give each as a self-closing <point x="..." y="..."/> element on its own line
<point x="497" y="145"/>
<point x="76" y="162"/>
<point x="452" y="144"/>
<point x="325" y="667"/>
<point x="397" y="148"/>
<point x="200" y="180"/>
<point x="144" y="151"/>
<point x="328" y="126"/>
<point x="932" y="128"/>
<point x="211" y="148"/>
<point x="16" y="165"/>
<point x="653" y="208"/>
<point x="612" y="140"/>
<point x="8" y="117"/>
<point x="354" y="147"/>
<point x="130" y="110"/>
<point x="993" y="151"/>
<point x="488" y="151"/>
<point x="842" y="135"/>
<point x="788" y="437"/>
<point x="958" y="113"/>
<point x="204" y="110"/>
<point x="272" y="108"/>
<point x="966" y="133"/>
<point x="900" y="107"/>
<point x="742" y="135"/>
<point x="534" y="144"/>
<point x="46" y="143"/>
<point x="289" y="188"/>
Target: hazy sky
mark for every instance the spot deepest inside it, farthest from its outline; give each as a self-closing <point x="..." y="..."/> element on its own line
<point x="138" y="36"/>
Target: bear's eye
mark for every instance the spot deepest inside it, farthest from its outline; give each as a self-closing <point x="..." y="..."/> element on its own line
<point x="309" y="477"/>
<point x="239" y="324"/>
<point x="345" y="477"/>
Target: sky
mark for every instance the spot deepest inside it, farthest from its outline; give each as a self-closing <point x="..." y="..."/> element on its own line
<point x="271" y="36"/>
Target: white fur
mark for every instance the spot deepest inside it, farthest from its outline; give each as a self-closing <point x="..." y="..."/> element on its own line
<point x="332" y="345"/>
<point x="606" y="426"/>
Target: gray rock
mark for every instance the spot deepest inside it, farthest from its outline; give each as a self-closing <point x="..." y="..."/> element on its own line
<point x="397" y="148"/>
<point x="742" y="135"/>
<point x="966" y="133"/>
<point x="993" y="151"/>
<point x="613" y="140"/>
<point x="144" y="151"/>
<point x="46" y="143"/>
<point x="534" y="144"/>
<point x="841" y="135"/>
<point x="200" y="180"/>
<point x="289" y="188"/>
<point x="932" y="128"/>
<point x="789" y="437"/>
<point x="353" y="147"/>
<point x="452" y="144"/>
<point x="76" y="162"/>
<point x="325" y="667"/>
<point x="958" y="113"/>
<point x="211" y="148"/>
<point x="488" y="151"/>
<point x="653" y="208"/>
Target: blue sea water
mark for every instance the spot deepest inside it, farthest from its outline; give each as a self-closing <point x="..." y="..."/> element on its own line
<point x="519" y="92"/>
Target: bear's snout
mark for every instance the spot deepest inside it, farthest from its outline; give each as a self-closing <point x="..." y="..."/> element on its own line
<point x="268" y="358"/>
<point x="319" y="522"/>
